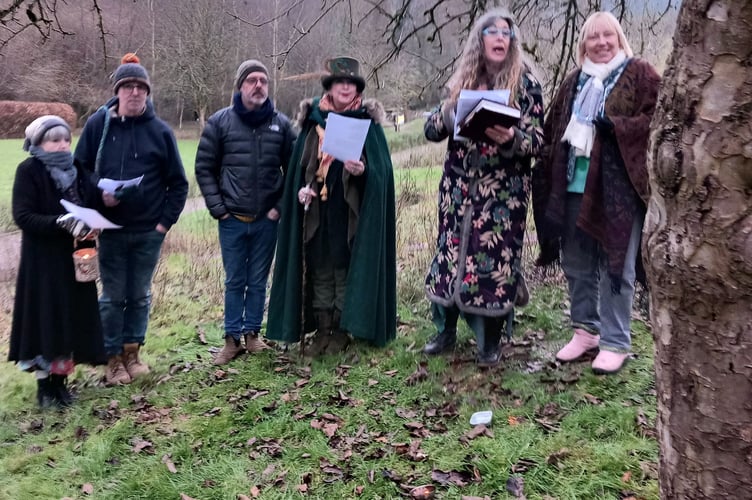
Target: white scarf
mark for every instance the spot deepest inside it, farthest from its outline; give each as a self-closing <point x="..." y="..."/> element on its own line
<point x="580" y="132"/>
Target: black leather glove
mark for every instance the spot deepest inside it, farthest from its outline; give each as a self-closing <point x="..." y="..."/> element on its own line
<point x="76" y="227"/>
<point x="604" y="125"/>
<point x="126" y="193"/>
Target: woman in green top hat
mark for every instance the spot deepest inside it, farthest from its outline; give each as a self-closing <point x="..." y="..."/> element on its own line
<point x="335" y="270"/>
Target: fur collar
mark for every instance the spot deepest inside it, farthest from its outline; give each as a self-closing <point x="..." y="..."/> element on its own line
<point x="374" y="108"/>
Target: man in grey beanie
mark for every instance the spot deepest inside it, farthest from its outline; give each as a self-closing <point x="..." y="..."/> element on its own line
<point x="240" y="164"/>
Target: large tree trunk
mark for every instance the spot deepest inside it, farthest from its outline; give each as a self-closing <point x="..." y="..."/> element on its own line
<point x="698" y="252"/>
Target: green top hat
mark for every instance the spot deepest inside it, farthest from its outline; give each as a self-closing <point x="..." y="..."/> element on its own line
<point x="343" y="68"/>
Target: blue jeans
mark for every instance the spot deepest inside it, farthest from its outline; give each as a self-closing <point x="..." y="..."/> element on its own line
<point x="127" y="261"/>
<point x="594" y="306"/>
<point x="247" y="253"/>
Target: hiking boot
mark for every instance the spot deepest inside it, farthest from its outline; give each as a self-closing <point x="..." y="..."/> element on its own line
<point x="254" y="343"/>
<point x="46" y="397"/>
<point x="489" y="350"/>
<point x="230" y="351"/>
<point x="60" y="388"/>
<point x="581" y="342"/>
<point x="115" y="373"/>
<point x="441" y="342"/>
<point x="338" y="342"/>
<point x="489" y="358"/>
<point x="320" y="340"/>
<point x="133" y="365"/>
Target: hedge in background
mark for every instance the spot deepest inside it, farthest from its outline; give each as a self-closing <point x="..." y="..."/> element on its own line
<point x="16" y="115"/>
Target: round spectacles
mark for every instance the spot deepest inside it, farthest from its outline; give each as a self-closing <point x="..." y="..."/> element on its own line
<point x="494" y="31"/>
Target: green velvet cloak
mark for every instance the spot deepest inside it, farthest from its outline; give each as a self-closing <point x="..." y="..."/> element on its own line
<point x="370" y="309"/>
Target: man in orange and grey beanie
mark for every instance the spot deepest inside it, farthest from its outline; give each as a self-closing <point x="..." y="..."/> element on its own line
<point x="125" y="140"/>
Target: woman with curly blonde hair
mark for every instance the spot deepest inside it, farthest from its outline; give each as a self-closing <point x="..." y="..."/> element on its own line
<point x="483" y="193"/>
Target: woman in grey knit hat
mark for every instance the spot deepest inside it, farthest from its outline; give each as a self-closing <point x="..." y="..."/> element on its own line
<point x="55" y="318"/>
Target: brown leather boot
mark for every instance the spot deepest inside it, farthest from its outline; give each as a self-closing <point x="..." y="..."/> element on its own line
<point x="254" y="343"/>
<point x="133" y="365"/>
<point x="230" y="351"/>
<point x="339" y="339"/>
<point x="323" y="333"/>
<point x="115" y="373"/>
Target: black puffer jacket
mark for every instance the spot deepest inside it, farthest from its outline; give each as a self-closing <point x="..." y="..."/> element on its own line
<point x="240" y="169"/>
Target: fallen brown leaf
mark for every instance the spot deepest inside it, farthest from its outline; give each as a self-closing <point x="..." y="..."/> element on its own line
<point x="418" y="375"/>
<point x="255" y="491"/>
<point x="515" y="486"/>
<point x="183" y="496"/>
<point x="626" y="477"/>
<point x="166" y="459"/>
<point x="201" y="336"/>
<point x="141" y="445"/>
<point x="87" y="489"/>
<point x="558" y="456"/>
<point x="426" y="491"/>
<point x="243" y="497"/>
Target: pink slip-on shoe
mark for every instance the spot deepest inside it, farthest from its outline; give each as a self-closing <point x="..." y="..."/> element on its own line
<point x="609" y="362"/>
<point x="581" y="343"/>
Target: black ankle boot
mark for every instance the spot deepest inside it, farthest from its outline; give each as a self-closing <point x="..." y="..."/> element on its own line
<point x="46" y="397"/>
<point x="441" y="342"/>
<point x="60" y="388"/>
<point x="489" y="350"/>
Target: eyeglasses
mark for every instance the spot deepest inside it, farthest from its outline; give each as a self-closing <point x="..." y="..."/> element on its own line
<point x="252" y="81"/>
<point x="130" y="87"/>
<point x="494" y="31"/>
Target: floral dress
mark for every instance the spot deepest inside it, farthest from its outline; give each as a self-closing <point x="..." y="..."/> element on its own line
<point x="483" y="200"/>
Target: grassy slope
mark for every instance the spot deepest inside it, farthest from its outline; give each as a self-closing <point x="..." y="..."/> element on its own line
<point x="258" y="423"/>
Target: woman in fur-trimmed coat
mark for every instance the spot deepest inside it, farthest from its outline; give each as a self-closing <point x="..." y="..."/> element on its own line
<point x="335" y="268"/>
<point x="590" y="192"/>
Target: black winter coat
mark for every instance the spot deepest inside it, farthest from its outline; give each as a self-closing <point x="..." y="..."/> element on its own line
<point x="240" y="169"/>
<point x="54" y="315"/>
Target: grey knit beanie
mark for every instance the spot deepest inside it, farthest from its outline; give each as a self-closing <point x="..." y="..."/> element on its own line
<point x="246" y="68"/>
<point x="35" y="130"/>
<point x="130" y="70"/>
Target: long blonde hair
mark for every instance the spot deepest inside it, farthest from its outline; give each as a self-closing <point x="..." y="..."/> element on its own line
<point x="471" y="70"/>
<point x="589" y="27"/>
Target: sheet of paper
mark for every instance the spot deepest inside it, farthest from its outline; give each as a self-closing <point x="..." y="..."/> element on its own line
<point x="467" y="101"/>
<point x="345" y="137"/>
<point x="112" y="185"/>
<point x="91" y="217"/>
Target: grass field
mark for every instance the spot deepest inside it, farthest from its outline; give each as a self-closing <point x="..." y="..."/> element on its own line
<point x="369" y="423"/>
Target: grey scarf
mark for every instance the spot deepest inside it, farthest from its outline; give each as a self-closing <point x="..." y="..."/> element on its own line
<point x="59" y="164"/>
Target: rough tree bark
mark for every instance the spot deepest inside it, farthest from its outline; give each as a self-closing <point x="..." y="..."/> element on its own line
<point x="698" y="251"/>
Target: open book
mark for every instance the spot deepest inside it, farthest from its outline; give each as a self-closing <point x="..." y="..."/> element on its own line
<point x="484" y="115"/>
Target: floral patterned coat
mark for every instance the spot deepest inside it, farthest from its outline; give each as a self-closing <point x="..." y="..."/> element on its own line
<point x="483" y="200"/>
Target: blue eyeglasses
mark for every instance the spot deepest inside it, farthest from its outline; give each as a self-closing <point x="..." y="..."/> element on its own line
<point x="494" y="31"/>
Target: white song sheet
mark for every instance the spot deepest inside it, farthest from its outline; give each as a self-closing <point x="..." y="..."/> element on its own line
<point x="91" y="217"/>
<point x="469" y="99"/>
<point x="112" y="185"/>
<point x="345" y="137"/>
